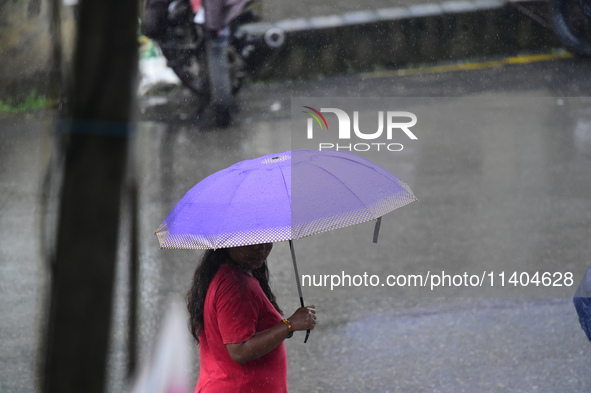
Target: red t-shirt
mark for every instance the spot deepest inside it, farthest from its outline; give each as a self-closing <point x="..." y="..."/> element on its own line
<point x="235" y="309"/>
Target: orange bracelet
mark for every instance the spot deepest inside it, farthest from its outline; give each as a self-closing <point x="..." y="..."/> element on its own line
<point x="289" y="327"/>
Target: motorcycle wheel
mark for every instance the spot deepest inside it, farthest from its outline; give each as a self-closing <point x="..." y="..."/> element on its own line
<point x="572" y="22"/>
<point x="214" y="77"/>
<point x="185" y="54"/>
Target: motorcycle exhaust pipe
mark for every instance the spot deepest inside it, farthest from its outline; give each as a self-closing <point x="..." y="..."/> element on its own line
<point x="274" y="38"/>
<point x="258" y="43"/>
<point x="261" y="37"/>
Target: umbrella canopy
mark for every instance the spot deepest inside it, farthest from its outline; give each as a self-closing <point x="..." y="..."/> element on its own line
<point x="284" y="196"/>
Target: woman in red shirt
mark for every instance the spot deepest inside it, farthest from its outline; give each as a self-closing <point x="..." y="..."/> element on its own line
<point x="235" y="319"/>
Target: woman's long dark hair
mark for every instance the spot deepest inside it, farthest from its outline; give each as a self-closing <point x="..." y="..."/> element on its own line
<point x="204" y="274"/>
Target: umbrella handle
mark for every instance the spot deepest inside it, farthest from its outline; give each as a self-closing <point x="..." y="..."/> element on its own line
<point x="307" y="331"/>
<point x="297" y="276"/>
<point x="376" y="230"/>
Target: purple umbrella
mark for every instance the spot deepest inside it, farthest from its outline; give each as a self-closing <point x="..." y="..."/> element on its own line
<point x="284" y="196"/>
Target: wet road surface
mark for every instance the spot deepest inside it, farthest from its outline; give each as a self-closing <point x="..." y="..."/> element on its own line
<point x="501" y="170"/>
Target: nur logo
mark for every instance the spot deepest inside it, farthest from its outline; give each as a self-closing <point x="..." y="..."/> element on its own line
<point x="314" y="115"/>
<point x="396" y="123"/>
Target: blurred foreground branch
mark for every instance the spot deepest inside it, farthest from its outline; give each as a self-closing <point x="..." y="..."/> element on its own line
<point x="97" y="135"/>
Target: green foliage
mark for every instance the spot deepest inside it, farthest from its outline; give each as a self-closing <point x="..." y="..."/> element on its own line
<point x="32" y="102"/>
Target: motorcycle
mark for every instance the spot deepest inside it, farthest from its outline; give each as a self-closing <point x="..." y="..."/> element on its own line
<point x="213" y="67"/>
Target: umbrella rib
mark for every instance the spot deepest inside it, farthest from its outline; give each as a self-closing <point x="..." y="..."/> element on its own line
<point x="346" y="186"/>
<point x="287" y="191"/>
<point x="357" y="163"/>
<point x="363" y="206"/>
<point x="225" y="214"/>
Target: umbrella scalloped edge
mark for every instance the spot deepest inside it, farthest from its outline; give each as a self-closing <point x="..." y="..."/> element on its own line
<point x="203" y="242"/>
